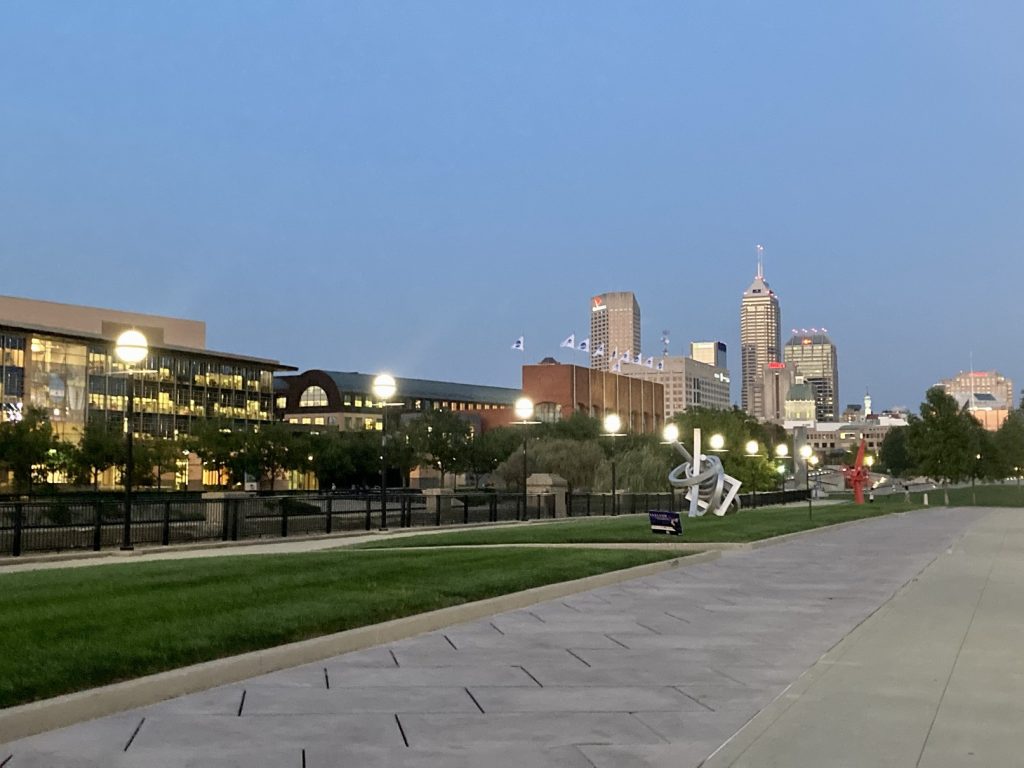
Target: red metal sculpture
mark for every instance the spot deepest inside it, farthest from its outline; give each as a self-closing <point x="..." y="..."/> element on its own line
<point x="857" y="475"/>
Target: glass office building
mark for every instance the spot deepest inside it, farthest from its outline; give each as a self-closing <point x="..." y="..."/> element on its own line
<point x="76" y="378"/>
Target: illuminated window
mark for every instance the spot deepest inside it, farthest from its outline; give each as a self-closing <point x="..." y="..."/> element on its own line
<point x="282" y="403"/>
<point x="313" y="397"/>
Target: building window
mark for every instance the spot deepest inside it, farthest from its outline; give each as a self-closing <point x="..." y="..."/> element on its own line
<point x="313" y="397"/>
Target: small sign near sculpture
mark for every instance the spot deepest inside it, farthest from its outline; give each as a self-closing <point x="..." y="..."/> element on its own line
<point x="664" y="521"/>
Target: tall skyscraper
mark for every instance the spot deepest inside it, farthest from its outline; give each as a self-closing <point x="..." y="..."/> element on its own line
<point x="813" y="356"/>
<point x="760" y="342"/>
<point x="614" y="327"/>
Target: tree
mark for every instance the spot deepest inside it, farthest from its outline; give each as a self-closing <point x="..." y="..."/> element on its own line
<point x="270" y="449"/>
<point x="100" y="448"/>
<point x="641" y="468"/>
<point x="493" y="447"/>
<point x="894" y="453"/>
<point x="576" y="461"/>
<point x="24" y="444"/>
<point x="1009" y="443"/>
<point x="217" y="445"/>
<point x="943" y="440"/>
<point x="442" y="440"/>
<point x="157" y="456"/>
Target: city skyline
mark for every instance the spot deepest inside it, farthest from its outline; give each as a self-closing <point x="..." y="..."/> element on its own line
<point x="363" y="187"/>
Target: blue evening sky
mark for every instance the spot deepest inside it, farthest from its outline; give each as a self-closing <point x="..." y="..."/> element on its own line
<point x="412" y="185"/>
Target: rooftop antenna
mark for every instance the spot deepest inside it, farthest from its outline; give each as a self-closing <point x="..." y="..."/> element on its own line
<point x="760" y="261"/>
<point x="664" y="340"/>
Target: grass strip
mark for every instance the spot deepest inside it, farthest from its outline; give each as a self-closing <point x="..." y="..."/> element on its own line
<point x="748" y="525"/>
<point x="71" y="629"/>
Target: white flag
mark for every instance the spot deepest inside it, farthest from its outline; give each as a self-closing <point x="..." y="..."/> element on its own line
<point x="625" y="357"/>
<point x="661" y="365"/>
<point x="615" y="354"/>
<point x="650" y="362"/>
<point x="617" y="368"/>
<point x="599" y="350"/>
<point x="570" y="341"/>
<point x="518" y="345"/>
<point x="639" y="359"/>
<point x="584" y="346"/>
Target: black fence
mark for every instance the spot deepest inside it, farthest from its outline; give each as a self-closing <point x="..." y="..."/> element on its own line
<point x="61" y="524"/>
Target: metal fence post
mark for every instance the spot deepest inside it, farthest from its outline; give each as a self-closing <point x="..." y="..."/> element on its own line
<point x="284" y="520"/>
<point x="329" y="527"/>
<point x="16" y="544"/>
<point x="97" y="529"/>
<point x="166" y="536"/>
<point x="236" y="519"/>
<point x="226" y="519"/>
<point x="437" y="510"/>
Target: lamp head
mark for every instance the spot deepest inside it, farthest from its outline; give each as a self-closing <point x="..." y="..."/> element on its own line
<point x="384" y="386"/>
<point x="671" y="433"/>
<point x="751" y="447"/>
<point x="806" y="451"/>
<point x="131" y="347"/>
<point x="717" y="442"/>
<point x="612" y="423"/>
<point x="782" y="450"/>
<point x="524" y="409"/>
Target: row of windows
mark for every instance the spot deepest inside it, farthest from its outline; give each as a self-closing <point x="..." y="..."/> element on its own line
<point x="315" y="396"/>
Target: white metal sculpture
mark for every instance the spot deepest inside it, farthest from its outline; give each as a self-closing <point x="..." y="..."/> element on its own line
<point x="708" y="488"/>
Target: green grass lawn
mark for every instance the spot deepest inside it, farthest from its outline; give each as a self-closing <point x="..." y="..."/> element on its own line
<point x="70" y="629"/>
<point x="748" y="525"/>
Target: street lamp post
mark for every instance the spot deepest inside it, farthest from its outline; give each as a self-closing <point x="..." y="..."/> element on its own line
<point x="752" y="449"/>
<point x="130" y="348"/>
<point x="807" y="454"/>
<point x="612" y="425"/>
<point x="782" y="452"/>
<point x="524" y="413"/>
<point x="383" y="389"/>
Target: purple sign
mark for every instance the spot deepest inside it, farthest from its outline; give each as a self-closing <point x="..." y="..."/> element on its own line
<point x="663" y="521"/>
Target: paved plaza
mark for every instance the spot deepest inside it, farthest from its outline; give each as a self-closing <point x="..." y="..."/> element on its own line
<point x="888" y="642"/>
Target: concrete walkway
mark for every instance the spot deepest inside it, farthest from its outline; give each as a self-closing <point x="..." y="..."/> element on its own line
<point x="934" y="679"/>
<point x="659" y="671"/>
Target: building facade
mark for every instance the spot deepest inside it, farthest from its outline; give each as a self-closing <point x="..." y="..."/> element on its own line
<point x="775" y="384"/>
<point x="687" y="383"/>
<point x="614" y="328"/>
<point x="64" y="363"/>
<point x="558" y="391"/>
<point x="967" y="384"/>
<point x="710" y="353"/>
<point x="345" y="401"/>
<point x="813" y="357"/>
<point x="760" y="342"/>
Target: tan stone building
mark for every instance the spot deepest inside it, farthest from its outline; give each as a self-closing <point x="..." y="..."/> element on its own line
<point x="687" y="383"/>
<point x="614" y="328"/>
